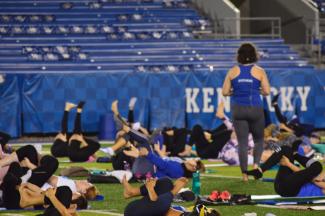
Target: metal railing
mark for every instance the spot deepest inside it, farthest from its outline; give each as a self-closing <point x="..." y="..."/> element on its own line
<point x="315" y="34"/>
<point x="270" y="27"/>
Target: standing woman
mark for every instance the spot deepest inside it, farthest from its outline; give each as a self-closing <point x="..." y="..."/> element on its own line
<point x="245" y="83"/>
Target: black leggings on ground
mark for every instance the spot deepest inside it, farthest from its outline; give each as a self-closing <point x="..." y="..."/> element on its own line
<point x="64" y="195"/>
<point x="146" y="207"/>
<point x="77" y="154"/>
<point x="73" y="150"/>
<point x="288" y="183"/>
<point x="40" y="175"/>
<point x="29" y="152"/>
<point x="46" y="168"/>
<point x="176" y="143"/>
<point x="220" y="136"/>
<point x="298" y="128"/>
<point x="4" y="138"/>
<point x="60" y="147"/>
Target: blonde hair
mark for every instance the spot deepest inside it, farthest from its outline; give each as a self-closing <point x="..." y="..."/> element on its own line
<point x="91" y="193"/>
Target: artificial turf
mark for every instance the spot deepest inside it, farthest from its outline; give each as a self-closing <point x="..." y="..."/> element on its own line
<point x="217" y="178"/>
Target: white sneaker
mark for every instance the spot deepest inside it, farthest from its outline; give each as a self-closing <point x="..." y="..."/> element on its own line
<point x="108" y="150"/>
<point x="132" y="102"/>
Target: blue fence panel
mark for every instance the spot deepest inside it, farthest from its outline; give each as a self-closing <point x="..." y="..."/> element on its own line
<point x="164" y="99"/>
<point x="10" y="105"/>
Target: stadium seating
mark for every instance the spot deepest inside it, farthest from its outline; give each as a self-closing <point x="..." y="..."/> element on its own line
<point x="107" y="35"/>
<point x="148" y="49"/>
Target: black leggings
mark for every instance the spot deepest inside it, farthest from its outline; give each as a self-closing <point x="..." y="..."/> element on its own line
<point x="46" y="166"/>
<point x="220" y="136"/>
<point x="77" y="154"/>
<point x="288" y="183"/>
<point x="60" y="147"/>
<point x="131" y="117"/>
<point x="64" y="195"/>
<point x="29" y="152"/>
<point x="73" y="151"/>
<point x="4" y="138"/>
<point x="294" y="125"/>
<point x="176" y="144"/>
<point x="40" y="175"/>
<point x="146" y="207"/>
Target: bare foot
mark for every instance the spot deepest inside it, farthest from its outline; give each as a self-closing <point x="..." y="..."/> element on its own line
<point x="245" y="177"/>
<point x="220" y="111"/>
<point x="134" y="152"/>
<point x="284" y="161"/>
<point x="69" y="106"/>
<point x="61" y="136"/>
<point x="114" y="107"/>
<point x="179" y="184"/>
<point x="150" y="185"/>
<point x="128" y="190"/>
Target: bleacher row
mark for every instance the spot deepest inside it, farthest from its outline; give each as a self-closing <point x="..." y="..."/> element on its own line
<point x="39" y="36"/>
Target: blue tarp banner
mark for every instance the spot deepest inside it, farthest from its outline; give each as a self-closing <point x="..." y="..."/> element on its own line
<point x="10" y="105"/>
<point x="164" y="99"/>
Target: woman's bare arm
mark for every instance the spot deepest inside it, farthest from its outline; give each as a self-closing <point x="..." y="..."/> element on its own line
<point x="265" y="85"/>
<point x="226" y="88"/>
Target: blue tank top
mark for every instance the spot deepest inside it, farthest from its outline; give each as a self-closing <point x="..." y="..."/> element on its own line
<point x="246" y="88"/>
<point x="310" y="189"/>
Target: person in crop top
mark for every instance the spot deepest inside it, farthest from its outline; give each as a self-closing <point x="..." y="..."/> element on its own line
<point x="245" y="83"/>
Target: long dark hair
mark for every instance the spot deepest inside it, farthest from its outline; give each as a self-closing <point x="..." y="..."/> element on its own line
<point x="247" y="54"/>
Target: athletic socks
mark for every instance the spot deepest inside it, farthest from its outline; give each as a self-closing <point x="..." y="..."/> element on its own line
<point x="132" y="102"/>
<point x="108" y="151"/>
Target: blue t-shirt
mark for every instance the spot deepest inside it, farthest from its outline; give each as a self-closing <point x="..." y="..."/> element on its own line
<point x="246" y="88"/>
<point x="310" y="189"/>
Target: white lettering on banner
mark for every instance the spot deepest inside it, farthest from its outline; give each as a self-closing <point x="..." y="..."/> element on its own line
<point x="192" y="94"/>
<point x="274" y="92"/>
<point x="190" y="100"/>
<point x="207" y="106"/>
<point x="303" y="93"/>
<point x="286" y="94"/>
<point x="225" y="100"/>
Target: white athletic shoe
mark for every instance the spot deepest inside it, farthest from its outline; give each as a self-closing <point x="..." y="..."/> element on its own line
<point x="108" y="150"/>
<point x="132" y="102"/>
<point x="119" y="174"/>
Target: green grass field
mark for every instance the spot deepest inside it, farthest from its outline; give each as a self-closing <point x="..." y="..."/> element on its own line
<point x="218" y="178"/>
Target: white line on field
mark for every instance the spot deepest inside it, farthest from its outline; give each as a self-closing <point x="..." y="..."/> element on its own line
<point x="216" y="165"/>
<point x="9" y="214"/>
<point x="103" y="212"/>
<point x="220" y="176"/>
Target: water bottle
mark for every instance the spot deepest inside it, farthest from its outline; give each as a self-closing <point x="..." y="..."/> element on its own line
<point x="196" y="183"/>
